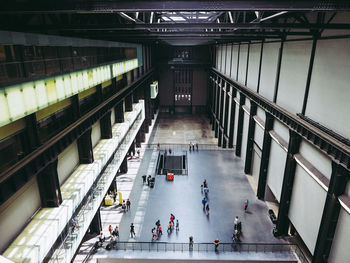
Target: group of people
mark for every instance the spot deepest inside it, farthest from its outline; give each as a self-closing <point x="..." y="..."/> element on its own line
<point x="147" y="179"/>
<point x="126" y="205"/>
<point x="237" y="230"/>
<point x="157" y="230"/>
<point x="191" y="146"/>
<point x="205" y="190"/>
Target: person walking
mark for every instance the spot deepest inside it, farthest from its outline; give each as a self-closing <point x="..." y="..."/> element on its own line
<point x="110" y="229"/>
<point x="190" y="146"/>
<point x="205" y="183"/>
<point x="123" y="206"/>
<point x="191" y="243"/>
<point x="148" y="179"/>
<point x="132" y="230"/>
<point x="128" y="203"/>
<point x="116" y="232"/>
<point x="206" y="192"/>
<point x="144" y="178"/>
<point x="246" y="203"/>
<point x="197" y="147"/>
<point x="169" y="227"/>
<point x="202" y="188"/>
<point x="216" y="244"/>
<point x="177" y="225"/>
<point x="160" y="230"/>
<point x="154" y="234"/>
<point x="207" y="209"/>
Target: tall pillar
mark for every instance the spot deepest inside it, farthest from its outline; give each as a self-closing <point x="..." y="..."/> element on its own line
<point x="250" y="140"/>
<point x="124" y="165"/>
<point x="265" y="156"/>
<point x="75" y="107"/>
<point x="132" y="149"/>
<point x="119" y="112"/>
<point x="96" y="225"/>
<point x="106" y="126"/>
<point x="226" y="110"/>
<point x="220" y="137"/>
<point x="287" y="185"/>
<point x="240" y="125"/>
<point x="49" y="186"/>
<point x="86" y="154"/>
<point x="331" y="210"/>
<point x="128" y="102"/>
<point x="232" y="118"/>
<point x="32" y="135"/>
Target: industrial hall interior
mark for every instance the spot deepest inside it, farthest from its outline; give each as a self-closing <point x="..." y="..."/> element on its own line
<point x="174" y="131"/>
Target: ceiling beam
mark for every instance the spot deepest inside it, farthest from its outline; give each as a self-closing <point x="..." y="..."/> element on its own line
<point x="105" y="6"/>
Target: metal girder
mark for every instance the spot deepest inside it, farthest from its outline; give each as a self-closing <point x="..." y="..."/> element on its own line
<point x="182" y="26"/>
<point x="70" y="6"/>
<point x="321" y="140"/>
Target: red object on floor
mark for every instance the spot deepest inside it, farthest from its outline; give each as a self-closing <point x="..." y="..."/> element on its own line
<point x="170" y="176"/>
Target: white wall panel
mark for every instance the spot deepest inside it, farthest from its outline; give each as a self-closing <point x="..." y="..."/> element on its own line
<point x="112" y="116"/>
<point x="242" y="68"/>
<point x="281" y="130"/>
<point x="275" y="171"/>
<point x="228" y="59"/>
<point x="269" y="69"/>
<point x="245" y="135"/>
<point x="234" y="62"/>
<point x="253" y="66"/>
<point x="95" y="133"/>
<point x="306" y="207"/>
<point x="67" y="161"/>
<point x="256" y="164"/>
<point x="340" y="252"/>
<point x="261" y="114"/>
<point x="259" y="136"/>
<point x="329" y="89"/>
<point x="316" y="158"/>
<point x="17" y="210"/>
<point x="294" y="69"/>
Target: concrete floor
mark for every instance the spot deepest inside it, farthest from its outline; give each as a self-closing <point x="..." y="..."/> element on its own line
<point x="183" y="129"/>
<point x="228" y="186"/>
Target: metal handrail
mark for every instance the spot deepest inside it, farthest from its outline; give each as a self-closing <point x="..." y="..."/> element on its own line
<point x="209" y="247"/>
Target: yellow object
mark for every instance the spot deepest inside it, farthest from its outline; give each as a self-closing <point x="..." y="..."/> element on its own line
<point x="120" y="198"/>
<point x="108" y="201"/>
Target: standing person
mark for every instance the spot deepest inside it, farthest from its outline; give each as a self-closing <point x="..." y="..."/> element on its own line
<point x="116" y="232"/>
<point x="128" y="203"/>
<point x="204" y="201"/>
<point x="207" y="209"/>
<point x="138" y="153"/>
<point x="205" y="183"/>
<point x="169" y="227"/>
<point x="193" y="146"/>
<point x="160" y="230"/>
<point x="157" y="223"/>
<point x="169" y="151"/>
<point x="246" y="203"/>
<point x="191" y="243"/>
<point x="197" y="147"/>
<point x="148" y="179"/>
<point x="171" y="217"/>
<point x="154" y="234"/>
<point x="144" y="178"/>
<point x="201" y="188"/>
<point x="110" y="229"/>
<point x="177" y="225"/>
<point x="236" y="222"/>
<point x="132" y="230"/>
<point x="190" y="146"/>
<point x="216" y="244"/>
<point x="206" y="192"/>
<point x="123" y="206"/>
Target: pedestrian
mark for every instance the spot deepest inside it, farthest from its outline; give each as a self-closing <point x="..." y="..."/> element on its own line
<point x="116" y="232"/>
<point x="123" y="206"/>
<point x="148" y="179"/>
<point x="206" y="192"/>
<point x="205" y="183"/>
<point x="160" y="230"/>
<point x="110" y="229"/>
<point x="197" y="147"/>
<point x="144" y="178"/>
<point x="154" y="234"/>
<point x="138" y="153"/>
<point x="132" y="230"/>
<point x="191" y="243"/>
<point x="158" y="146"/>
<point x="201" y="188"/>
<point x="216" y="244"/>
<point x="101" y="239"/>
<point x="177" y="225"/>
<point x="157" y="223"/>
<point x="190" y="146"/>
<point x="171" y="217"/>
<point x="246" y="203"/>
<point x="169" y="227"/>
<point x="236" y="222"/>
<point x="204" y="201"/>
<point x="207" y="209"/>
<point x="170" y="151"/>
<point x="193" y="146"/>
<point x="128" y="203"/>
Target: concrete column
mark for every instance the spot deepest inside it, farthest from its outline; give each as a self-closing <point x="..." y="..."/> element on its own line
<point x="331" y="210"/>
<point x="49" y="186"/>
<point x="287" y="185"/>
<point x="95" y="225"/>
<point x="32" y="136"/>
<point x="124" y="166"/>
<point x="119" y="112"/>
<point x="106" y="126"/>
<point x="240" y="125"/>
<point x="132" y="149"/>
<point x="232" y="119"/>
<point x="265" y="156"/>
<point x="75" y="107"/>
<point x="86" y="154"/>
<point x="250" y="140"/>
<point x="128" y="102"/>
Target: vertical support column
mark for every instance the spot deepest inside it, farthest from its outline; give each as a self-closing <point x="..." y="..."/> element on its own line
<point x="240" y="124"/>
<point x="86" y="154"/>
<point x="142" y="132"/>
<point x="32" y="134"/>
<point x="232" y="118"/>
<point x="247" y="67"/>
<point x="124" y="165"/>
<point x="259" y="74"/>
<point x="106" y="126"/>
<point x="96" y="225"/>
<point x="287" y="185"/>
<point x="49" y="186"/>
<point x="128" y="102"/>
<point x="278" y="70"/>
<point x="331" y="211"/>
<point x="265" y="156"/>
<point x="75" y="107"/>
<point x="215" y="94"/>
<point x="138" y="138"/>
<point x="132" y="149"/>
<point x="99" y="95"/>
<point x="227" y="109"/>
<point x="250" y="140"/>
<point x="119" y="112"/>
<point x="220" y="137"/>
